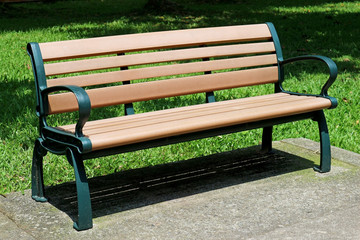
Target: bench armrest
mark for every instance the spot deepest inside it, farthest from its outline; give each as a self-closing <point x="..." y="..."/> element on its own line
<point x="83" y="102"/>
<point x="332" y="72"/>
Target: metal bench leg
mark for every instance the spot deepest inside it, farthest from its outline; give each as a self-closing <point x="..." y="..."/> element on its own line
<point x="83" y="194"/>
<point x="37" y="179"/>
<point x="266" y="145"/>
<point x="325" y="152"/>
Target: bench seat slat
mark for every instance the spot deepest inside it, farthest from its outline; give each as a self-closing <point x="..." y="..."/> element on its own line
<point x="186" y="121"/>
<point x="108" y="96"/>
<point x="160" y="71"/>
<point x="157" y="57"/>
<point x="172" y="112"/>
<point x="108" y="125"/>
<point x="155" y="40"/>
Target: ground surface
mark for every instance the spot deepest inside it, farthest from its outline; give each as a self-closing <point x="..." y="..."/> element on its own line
<point x="234" y="195"/>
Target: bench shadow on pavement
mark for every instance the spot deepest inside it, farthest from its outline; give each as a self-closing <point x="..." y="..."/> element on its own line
<point x="146" y="186"/>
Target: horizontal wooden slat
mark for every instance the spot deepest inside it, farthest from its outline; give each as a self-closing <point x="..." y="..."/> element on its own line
<point x="157" y="57"/>
<point x="202" y="123"/>
<point x="118" y="124"/>
<point x="133" y="129"/>
<point x="107" y="96"/>
<point x="155" y="40"/>
<point x="167" y="70"/>
<point x="104" y="125"/>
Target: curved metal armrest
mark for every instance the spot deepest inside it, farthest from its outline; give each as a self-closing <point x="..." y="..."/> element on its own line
<point x="330" y="63"/>
<point x="82" y="99"/>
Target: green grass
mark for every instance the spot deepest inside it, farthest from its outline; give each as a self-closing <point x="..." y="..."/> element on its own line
<point x="304" y="27"/>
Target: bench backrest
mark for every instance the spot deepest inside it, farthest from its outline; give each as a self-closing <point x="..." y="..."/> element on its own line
<point x="236" y="56"/>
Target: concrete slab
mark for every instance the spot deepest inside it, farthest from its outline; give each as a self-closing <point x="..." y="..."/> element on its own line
<point x="234" y="195"/>
<point x="9" y="230"/>
<point x="337" y="153"/>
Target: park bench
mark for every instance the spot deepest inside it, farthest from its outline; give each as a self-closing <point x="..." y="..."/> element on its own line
<point x="84" y="74"/>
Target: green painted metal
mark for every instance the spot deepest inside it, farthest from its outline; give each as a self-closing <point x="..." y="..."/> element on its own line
<point x="37" y="180"/>
<point x="62" y="140"/>
<point x="332" y="75"/>
<point x="77" y="147"/>
<point x="82" y="188"/>
<point x="266" y="144"/>
<point x="281" y="63"/>
<point x="129" y="108"/>
<point x="210" y="96"/>
<point x="34" y="52"/>
<point x="58" y="142"/>
<point x="324" y="136"/>
<point x="82" y="99"/>
<point x="325" y="149"/>
<point x="276" y="40"/>
<point x="279" y="55"/>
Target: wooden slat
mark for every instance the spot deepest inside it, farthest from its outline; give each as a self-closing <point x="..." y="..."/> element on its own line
<point x="148" y="116"/>
<point x="102" y="97"/>
<point x="167" y="70"/>
<point x="201" y="123"/>
<point x="155" y="40"/>
<point x="157" y="57"/>
<point x="226" y="107"/>
<point x="166" y="123"/>
<point x="109" y="124"/>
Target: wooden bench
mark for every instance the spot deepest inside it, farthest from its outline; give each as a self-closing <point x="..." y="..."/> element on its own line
<point x="80" y="75"/>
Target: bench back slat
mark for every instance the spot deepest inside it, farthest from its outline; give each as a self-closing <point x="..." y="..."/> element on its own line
<point x="100" y="97"/>
<point x="157" y="57"/>
<point x="186" y="61"/>
<point x="167" y="70"/>
<point x="155" y="40"/>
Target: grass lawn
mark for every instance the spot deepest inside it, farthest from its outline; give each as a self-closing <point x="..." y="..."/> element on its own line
<point x="329" y="28"/>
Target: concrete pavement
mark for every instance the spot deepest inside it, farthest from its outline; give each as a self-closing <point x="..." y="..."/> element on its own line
<point x="234" y="195"/>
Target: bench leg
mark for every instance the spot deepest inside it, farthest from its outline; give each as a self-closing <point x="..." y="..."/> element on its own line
<point x="266" y="145"/>
<point x="83" y="194"/>
<point x="325" y="152"/>
<point x="37" y="179"/>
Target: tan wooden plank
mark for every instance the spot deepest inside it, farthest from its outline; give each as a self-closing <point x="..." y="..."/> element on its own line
<point x="183" y="115"/>
<point x="155" y="40"/>
<point x="107" y="96"/>
<point x="122" y="123"/>
<point x="167" y="70"/>
<point x="200" y="123"/>
<point x="129" y="120"/>
<point x="157" y="57"/>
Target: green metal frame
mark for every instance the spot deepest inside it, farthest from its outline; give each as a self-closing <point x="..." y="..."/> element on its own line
<point x="128" y="107"/>
<point x="318" y="116"/>
<point x="77" y="148"/>
<point x="210" y="96"/>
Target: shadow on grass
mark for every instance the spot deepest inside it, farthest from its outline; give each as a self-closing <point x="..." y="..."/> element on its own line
<point x="147" y="186"/>
<point x="17" y="101"/>
<point x="308" y="28"/>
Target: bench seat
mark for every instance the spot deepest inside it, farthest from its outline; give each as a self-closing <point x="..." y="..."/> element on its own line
<point x="118" y="131"/>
